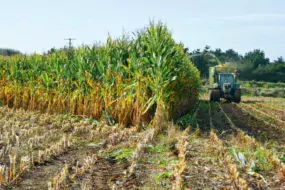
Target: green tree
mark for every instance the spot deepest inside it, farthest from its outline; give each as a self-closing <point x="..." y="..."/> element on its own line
<point x="203" y="60"/>
<point x="9" y="52"/>
<point x="280" y="60"/>
<point x="256" y="58"/>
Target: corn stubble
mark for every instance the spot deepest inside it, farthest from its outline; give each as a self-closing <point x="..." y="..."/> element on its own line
<point x="29" y="138"/>
<point x="221" y="151"/>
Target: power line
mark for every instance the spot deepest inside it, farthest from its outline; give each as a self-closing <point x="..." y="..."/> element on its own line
<point x="70" y="42"/>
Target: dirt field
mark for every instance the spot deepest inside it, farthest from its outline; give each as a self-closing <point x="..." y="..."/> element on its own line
<point x="231" y="146"/>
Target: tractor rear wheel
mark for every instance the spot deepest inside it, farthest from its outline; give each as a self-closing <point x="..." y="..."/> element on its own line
<point x="237" y="96"/>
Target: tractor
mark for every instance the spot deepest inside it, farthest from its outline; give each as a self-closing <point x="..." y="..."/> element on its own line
<point x="223" y="83"/>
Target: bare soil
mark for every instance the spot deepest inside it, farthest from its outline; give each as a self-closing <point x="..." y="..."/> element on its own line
<point x="104" y="171"/>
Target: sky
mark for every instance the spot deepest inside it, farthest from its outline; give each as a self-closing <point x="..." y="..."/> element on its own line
<point x="243" y="25"/>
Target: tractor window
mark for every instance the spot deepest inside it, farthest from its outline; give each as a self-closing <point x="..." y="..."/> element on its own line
<point x="226" y="78"/>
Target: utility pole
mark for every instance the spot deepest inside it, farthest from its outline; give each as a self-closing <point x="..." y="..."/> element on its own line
<point x="69" y="52"/>
<point x="69" y="43"/>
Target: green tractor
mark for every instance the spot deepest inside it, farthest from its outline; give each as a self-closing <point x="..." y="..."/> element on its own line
<point x="223" y="83"/>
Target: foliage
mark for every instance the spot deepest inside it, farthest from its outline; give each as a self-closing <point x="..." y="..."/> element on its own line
<point x="252" y="66"/>
<point x="164" y="175"/>
<point x="263" y="159"/>
<point x="282" y="158"/>
<point x="255" y="58"/>
<point x="129" y="80"/>
<point x="260" y="88"/>
<point x="123" y="153"/>
<point x="210" y="58"/>
<point x="9" y="52"/>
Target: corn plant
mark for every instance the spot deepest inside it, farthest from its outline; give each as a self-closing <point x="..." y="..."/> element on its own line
<point x="129" y="80"/>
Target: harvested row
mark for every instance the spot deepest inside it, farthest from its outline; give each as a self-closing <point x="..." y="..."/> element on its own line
<point x="14" y="171"/>
<point x="219" y="149"/>
<point x="236" y="180"/>
<point x="268" y="100"/>
<point x="278" y="105"/>
<point x="236" y="142"/>
<point x="44" y="148"/>
<point x="78" y="158"/>
<point x="116" y="169"/>
<point x="98" y="168"/>
<point x="42" y="174"/>
<point x="17" y="127"/>
<point x="253" y="124"/>
<point x="180" y="168"/>
<point x="20" y="131"/>
<point x="133" y="168"/>
<point x="279" y="113"/>
<point x="269" y="118"/>
<point x="248" y="145"/>
<point x="203" y="168"/>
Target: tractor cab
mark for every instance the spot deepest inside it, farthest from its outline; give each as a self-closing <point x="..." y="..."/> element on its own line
<point x="226" y="83"/>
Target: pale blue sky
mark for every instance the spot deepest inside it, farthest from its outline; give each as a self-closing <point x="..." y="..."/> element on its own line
<point x="38" y="25"/>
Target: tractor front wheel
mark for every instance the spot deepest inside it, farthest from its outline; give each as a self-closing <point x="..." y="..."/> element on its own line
<point x="237" y="96"/>
<point x="214" y="95"/>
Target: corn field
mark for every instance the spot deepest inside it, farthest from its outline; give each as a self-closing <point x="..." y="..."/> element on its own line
<point x="129" y="114"/>
<point x="128" y="80"/>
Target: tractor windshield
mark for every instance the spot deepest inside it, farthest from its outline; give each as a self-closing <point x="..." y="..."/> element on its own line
<point x="226" y="78"/>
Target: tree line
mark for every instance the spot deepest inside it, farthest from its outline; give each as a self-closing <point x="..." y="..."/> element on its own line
<point x="8" y="52"/>
<point x="253" y="65"/>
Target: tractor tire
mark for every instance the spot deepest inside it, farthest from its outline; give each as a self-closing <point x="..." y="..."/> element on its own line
<point x="217" y="95"/>
<point x="237" y="96"/>
<point x="211" y="95"/>
<point x="214" y="96"/>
